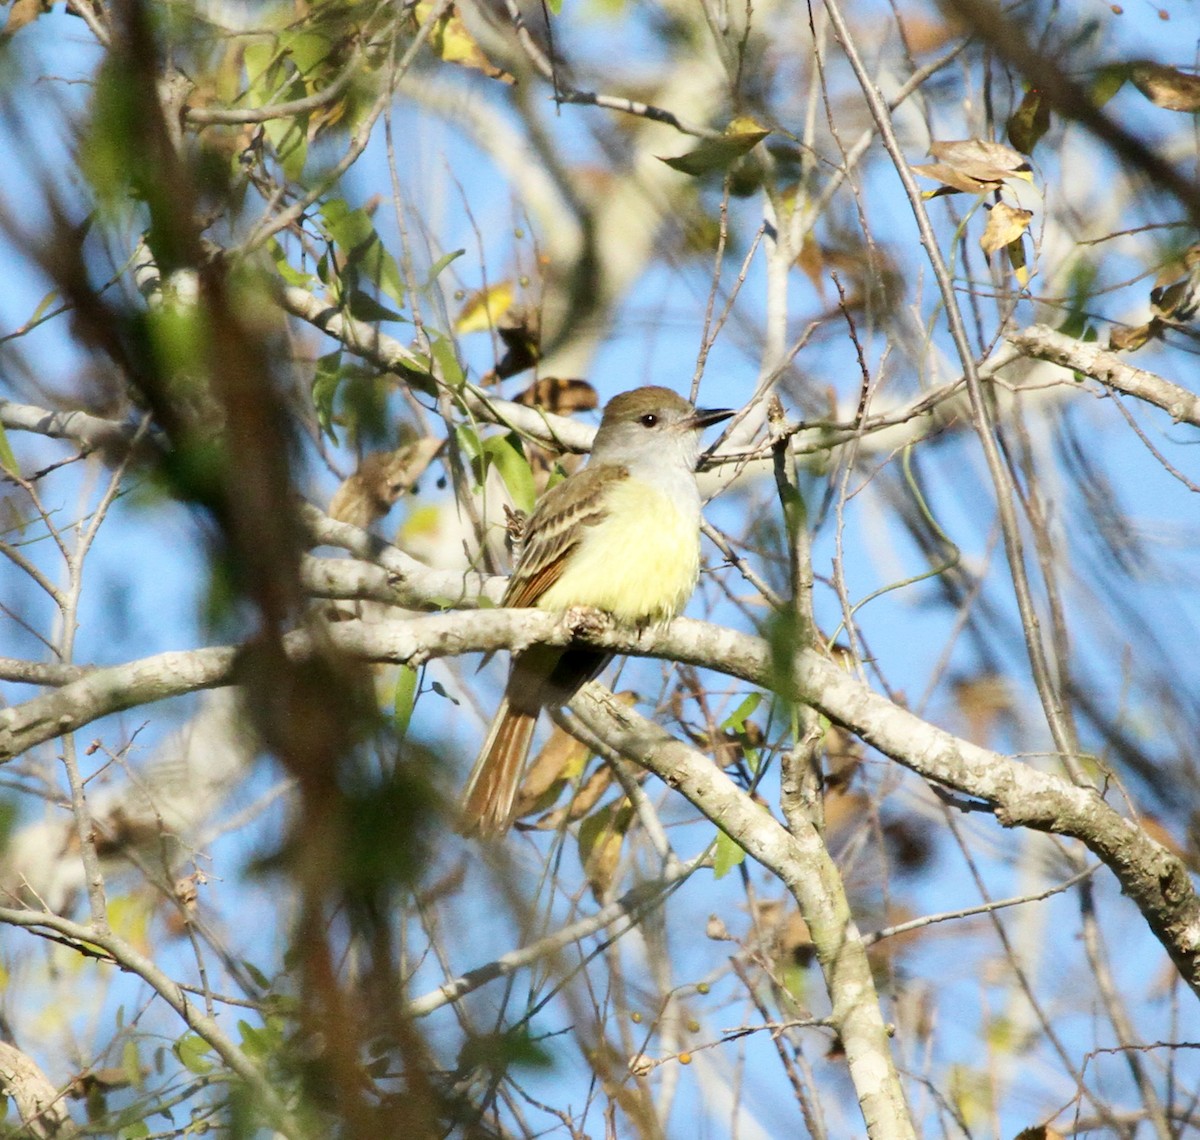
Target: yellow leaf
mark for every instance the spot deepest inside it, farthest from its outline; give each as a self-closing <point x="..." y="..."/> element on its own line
<point x="1016" y="258"/>
<point x="482" y="310"/>
<point x="1005" y="225"/>
<point x="452" y="40"/>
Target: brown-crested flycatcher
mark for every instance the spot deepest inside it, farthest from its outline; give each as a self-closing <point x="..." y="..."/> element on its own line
<point x="622" y="535"/>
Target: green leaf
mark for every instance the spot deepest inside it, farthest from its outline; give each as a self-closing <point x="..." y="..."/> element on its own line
<point x="255" y="1042"/>
<point x="190" y="1050"/>
<point x="131" y="1064"/>
<point x="307" y="49"/>
<point x="726" y="855"/>
<point x="364" y="307"/>
<point x="324" y="390"/>
<point x="256" y="975"/>
<point x="7" y="460"/>
<point x="344" y="224"/>
<point x="289" y="138"/>
<point x="286" y="270"/>
<point x="505" y="452"/>
<point x="441" y="264"/>
<point x="263" y="72"/>
<point x="1107" y="81"/>
<point x="719" y="154"/>
<point x="737" y="719"/>
<point x="403" y="699"/>
<point x="42" y="306"/>
<point x="468" y="440"/>
<point x="1029" y="122"/>
<point x="353" y="232"/>
<point x="447" y="361"/>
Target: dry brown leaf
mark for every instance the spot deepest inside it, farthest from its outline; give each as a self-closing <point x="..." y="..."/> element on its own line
<point x="1131" y="339"/>
<point x="1176" y="293"/>
<point x="382" y="477"/>
<point x="985" y="701"/>
<point x="1167" y="87"/>
<point x="561" y="396"/>
<point x="1029" y="122"/>
<point x="1016" y="259"/>
<point x="519" y="327"/>
<point x="1005" y="225"/>
<point x="973" y="166"/>
<point x="953" y="180"/>
<point x="600" y="840"/>
<point x="558" y="762"/>
<point x="811" y="261"/>
<point x="24" y="12"/>
<point x="982" y="160"/>
<point x="924" y="33"/>
<point x="845" y="809"/>
<point x="843" y="758"/>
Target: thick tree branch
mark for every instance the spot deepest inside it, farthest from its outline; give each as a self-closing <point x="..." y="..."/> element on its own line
<point x="90" y="432"/>
<point x="1019" y="795"/>
<point x="803" y="864"/>
<point x="40" y="1105"/>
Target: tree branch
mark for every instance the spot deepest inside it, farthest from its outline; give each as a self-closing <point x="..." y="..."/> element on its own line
<point x="39" y="1104"/>
<point x="802" y="863"/>
<point x="1019" y="795"/>
<point x="1109" y="369"/>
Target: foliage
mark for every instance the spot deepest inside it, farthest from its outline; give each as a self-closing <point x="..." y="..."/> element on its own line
<point x="307" y="301"/>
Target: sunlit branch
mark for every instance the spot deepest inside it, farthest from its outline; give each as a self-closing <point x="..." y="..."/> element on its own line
<point x="1109" y="369"/>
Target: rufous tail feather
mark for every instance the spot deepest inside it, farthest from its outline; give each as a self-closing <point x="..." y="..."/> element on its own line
<point x="491" y="791"/>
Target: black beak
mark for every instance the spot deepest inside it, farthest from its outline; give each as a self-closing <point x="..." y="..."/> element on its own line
<point x="706" y="417"/>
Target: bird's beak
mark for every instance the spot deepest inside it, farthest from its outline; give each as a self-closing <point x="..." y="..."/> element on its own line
<point x="706" y="417"/>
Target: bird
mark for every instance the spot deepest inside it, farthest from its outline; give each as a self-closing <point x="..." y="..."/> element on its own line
<point x="621" y="535"/>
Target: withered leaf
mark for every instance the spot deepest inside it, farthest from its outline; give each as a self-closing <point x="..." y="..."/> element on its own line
<point x="1176" y="293"/>
<point x="1167" y="87"/>
<point x="452" y="40"/>
<point x="600" y="838"/>
<point x="953" y="180"/>
<point x="1016" y="258"/>
<point x="382" y="477"/>
<point x="973" y="166"/>
<point x="1131" y="339"/>
<point x="24" y="12"/>
<point x="1005" y="225"/>
<point x="981" y="159"/>
<point x="559" y="395"/>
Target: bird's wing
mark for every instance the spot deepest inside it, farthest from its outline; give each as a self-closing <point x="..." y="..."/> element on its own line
<point x="555" y="529"/>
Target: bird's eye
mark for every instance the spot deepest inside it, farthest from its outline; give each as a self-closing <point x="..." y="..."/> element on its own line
<point x="648" y="420"/>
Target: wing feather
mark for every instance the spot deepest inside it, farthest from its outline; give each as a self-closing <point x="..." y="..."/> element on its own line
<point x="555" y="528"/>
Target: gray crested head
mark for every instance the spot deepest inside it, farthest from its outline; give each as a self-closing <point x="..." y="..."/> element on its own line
<point x="652" y="425"/>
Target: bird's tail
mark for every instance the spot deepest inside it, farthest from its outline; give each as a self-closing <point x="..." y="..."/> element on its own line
<point x="491" y="791"/>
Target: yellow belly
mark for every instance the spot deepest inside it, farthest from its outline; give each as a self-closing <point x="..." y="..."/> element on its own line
<point x="640" y="564"/>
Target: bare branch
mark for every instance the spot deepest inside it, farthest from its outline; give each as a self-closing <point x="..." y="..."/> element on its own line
<point x="1093" y="360"/>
